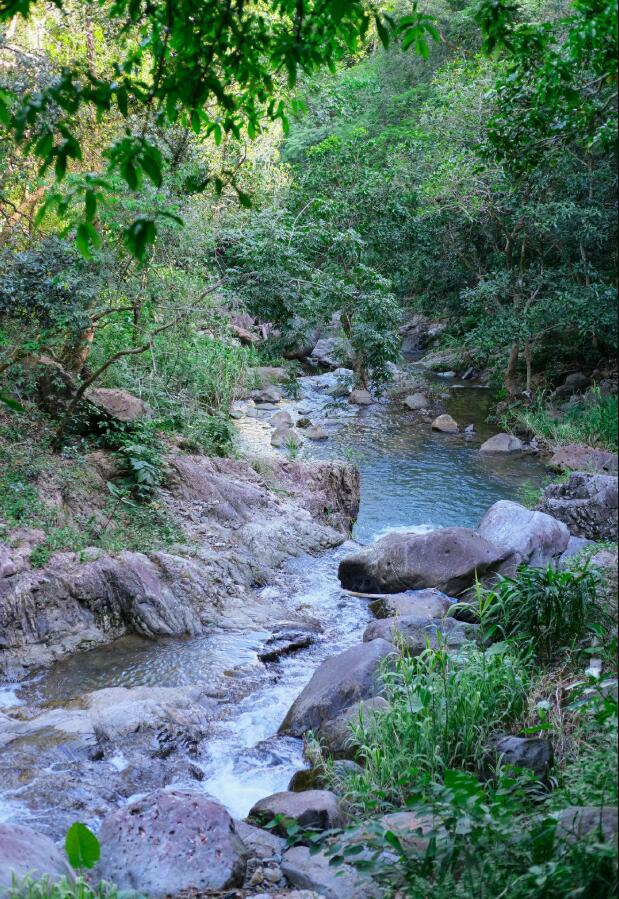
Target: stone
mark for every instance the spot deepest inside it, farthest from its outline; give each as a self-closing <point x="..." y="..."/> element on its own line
<point x="449" y="559"/>
<point x="576" y="822"/>
<point x="260" y="843"/>
<point x="315" y="872"/>
<point x="416" y="402"/>
<point x="26" y="853"/>
<point x="578" y="457"/>
<point x="445" y="424"/>
<point x="286" y="437"/>
<point x="587" y="504"/>
<point x="304" y="422"/>
<point x="532" y="753"/>
<point x="337" y="684"/>
<point x="171" y="841"/>
<point x="118" y="404"/>
<point x="268" y="374"/>
<point x="446" y="374"/>
<point x="7" y="565"/>
<point x="575" y="382"/>
<point x="281" y="420"/>
<point x="537" y="537"/>
<point x="245" y="337"/>
<point x="501" y="444"/>
<point x="423" y="605"/>
<point x="417" y="633"/>
<point x="361" y="398"/>
<point x="336" y="733"/>
<point x="469" y="430"/>
<point x="267" y="395"/>
<point x="311" y="810"/>
<point x="315" y="432"/>
<point x="575" y="546"/>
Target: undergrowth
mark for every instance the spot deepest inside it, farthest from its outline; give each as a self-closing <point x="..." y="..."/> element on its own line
<point x="591" y="419"/>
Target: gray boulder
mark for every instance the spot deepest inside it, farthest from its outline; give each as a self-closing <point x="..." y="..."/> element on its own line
<point x="576" y="822"/>
<point x="416" y="402"/>
<point x="286" y="437"/>
<point x="526" y="752"/>
<point x="538" y="537"/>
<point x="281" y="420"/>
<point x="587" y="504"/>
<point x="337" y="684"/>
<point x="26" y="853"/>
<point x="171" y="841"/>
<point x="361" y="398"/>
<point x="416" y="633"/>
<point x="118" y="404"/>
<point x="501" y="444"/>
<point x="311" y="810"/>
<point x="336" y="733"/>
<point x="259" y="843"/>
<point x="445" y="424"/>
<point x="316" y="432"/>
<point x="420" y="604"/>
<point x="267" y="395"/>
<point x="315" y="872"/>
<point x="449" y="559"/>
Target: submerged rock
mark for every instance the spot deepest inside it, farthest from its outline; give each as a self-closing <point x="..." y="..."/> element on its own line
<point x="171" y="841"/>
<point x="26" y="853"/>
<point x="337" y="684"/>
<point x="449" y="559"/>
<point x="311" y="810"/>
<point x="501" y="444"/>
<point x="587" y="504"/>
<point x="537" y="537"/>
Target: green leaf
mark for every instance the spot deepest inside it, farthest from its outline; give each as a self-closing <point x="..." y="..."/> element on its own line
<point x="82" y="846"/>
<point x="11" y="403"/>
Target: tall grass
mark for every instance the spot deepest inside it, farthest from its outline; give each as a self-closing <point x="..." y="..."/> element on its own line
<point x="550" y="610"/>
<point x="591" y="420"/>
<point x="443" y="709"/>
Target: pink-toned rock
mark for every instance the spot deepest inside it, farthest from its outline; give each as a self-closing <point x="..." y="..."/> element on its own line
<point x="118" y="404"/>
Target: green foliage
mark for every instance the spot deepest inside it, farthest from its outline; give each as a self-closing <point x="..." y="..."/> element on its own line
<point x="64" y="889"/>
<point x="591" y="420"/>
<point x="550" y="611"/>
<point x="139" y="451"/>
<point x="443" y="709"/>
<point x="82" y="846"/>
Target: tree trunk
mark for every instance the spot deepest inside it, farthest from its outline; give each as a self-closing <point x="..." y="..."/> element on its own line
<point x="511" y="372"/>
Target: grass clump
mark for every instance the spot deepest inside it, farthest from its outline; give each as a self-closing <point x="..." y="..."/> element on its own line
<point x="549" y="611"/>
<point x="65" y="889"/>
<point x="443" y="709"/>
<point x="591" y="420"/>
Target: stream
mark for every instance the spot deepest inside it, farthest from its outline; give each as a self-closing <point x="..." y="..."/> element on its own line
<point x="411" y="479"/>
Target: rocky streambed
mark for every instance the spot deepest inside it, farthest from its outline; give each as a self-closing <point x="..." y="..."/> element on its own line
<point x="195" y="657"/>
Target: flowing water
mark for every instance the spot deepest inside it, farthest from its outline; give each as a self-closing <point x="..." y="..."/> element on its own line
<point x="411" y="478"/>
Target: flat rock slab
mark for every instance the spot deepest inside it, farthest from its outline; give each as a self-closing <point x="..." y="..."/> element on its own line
<point x="449" y="559"/>
<point x="537" y="537"/>
<point x="311" y="810"/>
<point x="337" y="684"/>
<point x="171" y="841"/>
<point x="314" y="872"/>
<point x="26" y="853"/>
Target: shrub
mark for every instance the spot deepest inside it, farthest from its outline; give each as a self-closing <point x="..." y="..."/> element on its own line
<point x="443" y="709"/>
<point x="550" y="610"/>
<point x="592" y="419"/>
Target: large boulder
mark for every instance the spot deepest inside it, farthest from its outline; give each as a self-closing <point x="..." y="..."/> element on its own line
<point x="337" y="684"/>
<point x="538" y="537"/>
<point x="267" y="395"/>
<point x="576" y="822"/>
<point x="118" y="404"/>
<point x="501" y="444"/>
<point x="308" y="871"/>
<point x="311" y="810"/>
<point x="417" y="633"/>
<point x="578" y="457"/>
<point x="171" y="841"/>
<point x="336" y="734"/>
<point x="26" y="853"/>
<point x="587" y="504"/>
<point x="449" y="559"/>
<point x="533" y="753"/>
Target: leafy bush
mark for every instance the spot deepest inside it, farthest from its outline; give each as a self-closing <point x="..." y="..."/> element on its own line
<point x="443" y="708"/>
<point x="549" y="610"/>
